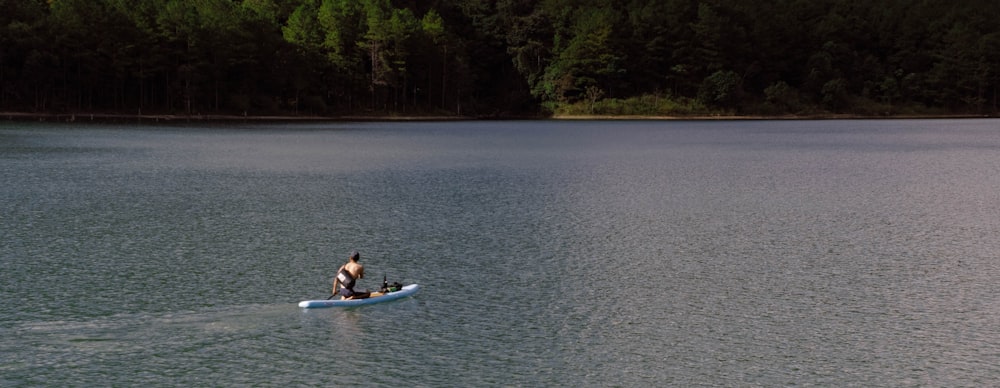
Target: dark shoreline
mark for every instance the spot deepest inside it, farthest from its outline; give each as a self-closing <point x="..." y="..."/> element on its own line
<point x="172" y="118"/>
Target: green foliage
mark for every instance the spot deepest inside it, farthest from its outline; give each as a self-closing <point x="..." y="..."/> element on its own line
<point x="585" y="55"/>
<point x="498" y="57"/>
<point x="303" y="29"/>
<point x="835" y="96"/>
<point x="433" y="25"/>
<point x="648" y="105"/>
<point x="722" y="89"/>
<point x="783" y="97"/>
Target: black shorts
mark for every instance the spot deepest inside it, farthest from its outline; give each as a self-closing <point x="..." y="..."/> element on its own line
<point x="347" y="293"/>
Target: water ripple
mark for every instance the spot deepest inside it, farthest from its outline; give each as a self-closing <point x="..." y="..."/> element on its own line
<point x="550" y="253"/>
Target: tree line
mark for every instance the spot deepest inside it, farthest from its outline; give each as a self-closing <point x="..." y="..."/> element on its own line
<point x="499" y="57"/>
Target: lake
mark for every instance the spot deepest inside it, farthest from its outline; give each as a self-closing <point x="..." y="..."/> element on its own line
<point x="550" y="253"/>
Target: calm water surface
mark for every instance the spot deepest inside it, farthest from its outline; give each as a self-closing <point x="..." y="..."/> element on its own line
<point x="760" y="253"/>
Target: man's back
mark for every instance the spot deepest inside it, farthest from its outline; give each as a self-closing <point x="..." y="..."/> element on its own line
<point x="356" y="269"/>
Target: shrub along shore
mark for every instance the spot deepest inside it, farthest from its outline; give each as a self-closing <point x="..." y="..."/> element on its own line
<point x="180" y="118"/>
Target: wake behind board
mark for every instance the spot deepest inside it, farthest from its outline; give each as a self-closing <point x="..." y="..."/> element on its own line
<point x="402" y="293"/>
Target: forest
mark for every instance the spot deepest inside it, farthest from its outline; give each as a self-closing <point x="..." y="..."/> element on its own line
<point x="500" y="58"/>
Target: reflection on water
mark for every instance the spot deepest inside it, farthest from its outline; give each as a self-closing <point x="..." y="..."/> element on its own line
<point x="550" y="253"/>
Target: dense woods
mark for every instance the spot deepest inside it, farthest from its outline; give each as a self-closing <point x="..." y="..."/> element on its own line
<point x="500" y="57"/>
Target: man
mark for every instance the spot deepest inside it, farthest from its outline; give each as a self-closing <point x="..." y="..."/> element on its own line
<point x="346" y="277"/>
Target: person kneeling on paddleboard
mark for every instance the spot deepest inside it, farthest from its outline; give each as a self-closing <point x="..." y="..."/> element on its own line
<point x="347" y="275"/>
